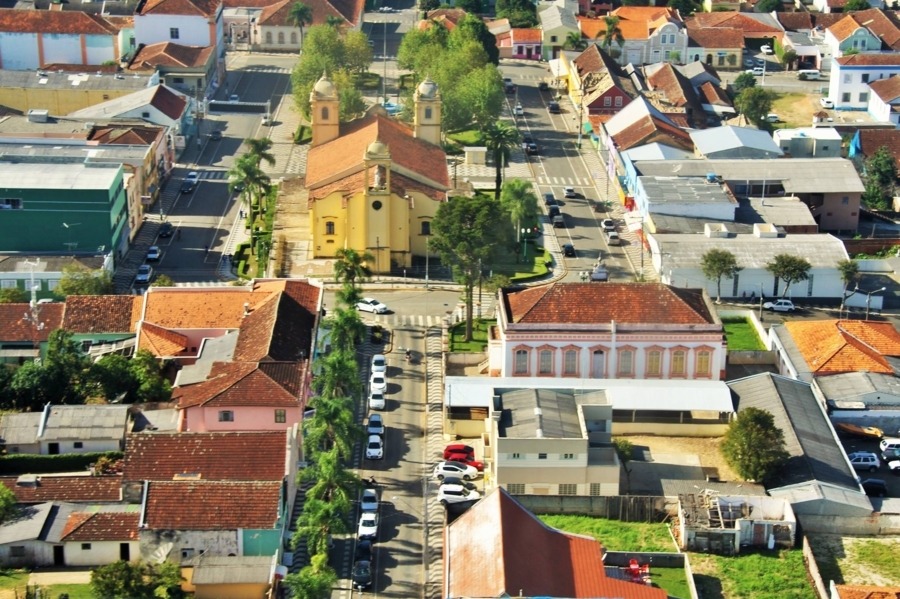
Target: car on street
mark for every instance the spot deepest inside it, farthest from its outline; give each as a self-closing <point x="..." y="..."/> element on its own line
<point x="568" y="250"/>
<point x="549" y="200"/>
<point x="361" y="574"/>
<point x="190" y="182"/>
<point x="375" y="448"/>
<point x="532" y="149"/>
<point x="874" y="487"/>
<point x="375" y="425"/>
<point x="599" y="274"/>
<point x="363" y="550"/>
<point x="887" y="443"/>
<point x="559" y="221"/>
<point x="894" y="467"/>
<point x="749" y="62"/>
<point x="369" y="500"/>
<point x="234" y="98"/>
<point x="166" y="230"/>
<point x="855" y="430"/>
<point x="144" y="274"/>
<point x="368" y="526"/>
<point x="864" y="460"/>
<point x="766" y="49"/>
<point x="761" y="63"/>
<point x="570" y="192"/>
<point x="467" y="459"/>
<point x="153" y="253"/>
<point x="756" y="71"/>
<point x="457" y="469"/>
<point x="456" y="494"/>
<point x="376" y="400"/>
<point x="553" y="108"/>
<point x="826" y="102"/>
<point x="215" y="135"/>
<point x="508" y="86"/>
<point x="455" y="480"/>
<point x="608" y="224"/>
<point x="553" y="211"/>
<point x="458" y="448"/>
<point x="377" y="383"/>
<point x="379" y="363"/>
<point x="782" y="305"/>
<point x="543" y="86"/>
<point x="518" y="110"/>
<point x="369" y="304"/>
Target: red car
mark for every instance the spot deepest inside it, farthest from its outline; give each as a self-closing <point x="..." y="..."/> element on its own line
<point x="458" y="448"/>
<point x="466" y="459"/>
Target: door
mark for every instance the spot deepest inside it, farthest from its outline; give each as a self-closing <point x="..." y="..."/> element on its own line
<point x="53" y="448"/>
<point x="59" y="556"/>
<point x="125" y="552"/>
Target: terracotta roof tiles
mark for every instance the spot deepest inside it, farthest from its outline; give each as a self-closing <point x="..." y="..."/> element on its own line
<point x="875" y="60"/>
<point x="294" y="313"/>
<point x="206" y="8"/>
<point x="736" y="20"/>
<point x="887" y="89"/>
<point x="870" y="140"/>
<point x="716" y="37"/>
<point x="101" y="526"/>
<point x="54" y="22"/>
<point x="857" y="591"/>
<point x="838" y="346"/>
<point x="526" y="36"/>
<point x="161" y="342"/>
<point x="212" y="505"/>
<point x="269" y="384"/>
<point x="201" y="308"/>
<point x="277" y="13"/>
<point x="875" y="20"/>
<point x="66" y="488"/>
<point x="650" y="129"/>
<point x="102" y="313"/>
<point x="169" y="54"/>
<point x="15" y="327"/>
<point x="713" y="94"/>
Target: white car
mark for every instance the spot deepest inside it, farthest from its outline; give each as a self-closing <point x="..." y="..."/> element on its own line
<point x="518" y="110"/>
<point x="368" y="304"/>
<point x="375" y="426"/>
<point x="144" y="274"/>
<point x="377" y="384"/>
<point x="376" y="400"/>
<point x="234" y="98"/>
<point x="368" y="526"/>
<point x="826" y="102"/>
<point x="782" y="305"/>
<point x="375" y="448"/>
<point x="457" y="469"/>
<point x="456" y="494"/>
<point x="369" y="500"/>
<point x="766" y="49"/>
<point x="379" y="364"/>
<point x="570" y="192"/>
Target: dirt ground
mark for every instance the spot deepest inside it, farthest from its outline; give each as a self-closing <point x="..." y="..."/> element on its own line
<point x="843" y="559"/>
<point x="705" y="448"/>
<point x="796" y="110"/>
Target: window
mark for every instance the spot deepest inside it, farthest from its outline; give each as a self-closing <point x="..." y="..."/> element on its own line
<point x="9" y="284"/>
<point x="187" y="553"/>
<point x="654" y="363"/>
<point x="542" y="456"/>
<point x="178" y="79"/>
<point x="10" y="204"/>
<point x="515" y="489"/>
<point x="268" y="37"/>
<point x="568" y="489"/>
<point x="293" y="38"/>
<point x="607" y="101"/>
<point x="847" y="78"/>
<point x="552" y="39"/>
<point x="226" y="416"/>
<point x="546" y="362"/>
<point x="428" y="113"/>
<point x="329" y="227"/>
<point x="324" y="113"/>
<point x="173" y="33"/>
<point x="678" y="357"/>
<point x="618" y="101"/>
<point x="52" y="284"/>
<point x="864" y="96"/>
<point x="521" y="362"/>
<point x="845" y="97"/>
<point x="626" y="362"/>
<point x="568" y="456"/>
<point x="515" y="456"/>
<point x="865" y="77"/>
<point x="426" y="227"/>
<point x="145" y="115"/>
<point x="845" y="200"/>
<point x="666" y="55"/>
<point x="595" y="489"/>
<point x="17" y="551"/>
<point x="86" y="345"/>
<point x="703" y="363"/>
<point x="280" y="416"/>
<point x="280" y="37"/>
<point x="570" y="362"/>
<point x="78" y="445"/>
<point x="85" y="546"/>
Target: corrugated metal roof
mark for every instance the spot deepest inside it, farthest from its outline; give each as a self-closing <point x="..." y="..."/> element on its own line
<point x="86" y="422"/>
<point x="234" y="570"/>
<point x="19" y="429"/>
<point x="696" y="190"/>
<point x="730" y="138"/>
<point x="542" y="413"/>
<point x="852" y="385"/>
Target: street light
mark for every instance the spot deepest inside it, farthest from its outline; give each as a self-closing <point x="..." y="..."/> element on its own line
<point x="869" y="297"/>
<point x="427" y="238"/>
<point x="524" y="255"/>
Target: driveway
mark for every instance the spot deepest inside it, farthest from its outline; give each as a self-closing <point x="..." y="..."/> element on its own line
<point x="67" y="576"/>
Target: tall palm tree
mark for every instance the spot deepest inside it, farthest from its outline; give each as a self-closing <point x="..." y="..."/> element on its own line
<point x="519" y="200"/>
<point x="259" y="148"/>
<point x="318" y="520"/>
<point x="339" y="376"/>
<point x="332" y="482"/>
<point x="348" y="295"/>
<point x="300" y="16"/>
<point x="352" y="266"/>
<point x="332" y="428"/>
<point x="246" y="177"/>
<point x="347" y="329"/>
<point x="574" y="41"/>
<point x="612" y="34"/>
<point x="500" y="139"/>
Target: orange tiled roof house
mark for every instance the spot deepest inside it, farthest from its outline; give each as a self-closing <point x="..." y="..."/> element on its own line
<point x="374" y="184"/>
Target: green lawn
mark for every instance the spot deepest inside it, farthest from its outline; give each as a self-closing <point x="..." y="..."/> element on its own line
<point x="614" y="534"/>
<point x="741" y="335"/>
<point x="469" y="137"/>
<point x="513" y="265"/>
<point x="752" y="575"/>
<point x="672" y="580"/>
<point x="11" y="579"/>
<point x="75" y="591"/>
<point x="479" y="336"/>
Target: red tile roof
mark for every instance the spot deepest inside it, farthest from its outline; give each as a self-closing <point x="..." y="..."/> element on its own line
<point x="14" y="326"/>
<point x="161" y="342"/>
<point x="875" y="60"/>
<point x="651" y="129"/>
<point x="249" y="456"/>
<point x="750" y="26"/>
<point x="858" y="591"/>
<point x="214" y="308"/>
<point x="489" y="551"/>
<point x="280" y="328"/>
<point x="675" y="87"/>
<point x="870" y="140"/>
<point x="269" y="384"/>
<point x="875" y="20"/>
<point x="127" y="135"/>
<point x="887" y="89"/>
<point x="168" y="54"/>
<point x="101" y="526"/>
<point x="838" y="346"/>
<point x="590" y="303"/>
<point x="70" y="22"/>
<point x="526" y="36"/>
<point x="713" y="94"/>
<point x="67" y="488"/>
<point x="212" y="505"/>
<point x="277" y="13"/>
<point x="188" y="8"/>
<point x="715" y="37"/>
<point x="102" y="313"/>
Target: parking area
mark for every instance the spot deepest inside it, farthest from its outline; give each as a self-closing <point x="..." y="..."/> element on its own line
<point x="852" y="444"/>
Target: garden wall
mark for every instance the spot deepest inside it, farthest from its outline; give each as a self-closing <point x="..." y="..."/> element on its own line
<point x="627" y="508"/>
<point x="812" y="568"/>
<point x="875" y="524"/>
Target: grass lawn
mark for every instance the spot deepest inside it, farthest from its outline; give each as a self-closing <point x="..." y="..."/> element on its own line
<point x="469" y="137"/>
<point x="75" y="591"/>
<point x="368" y="81"/>
<point x="857" y="560"/>
<point x="795" y="110"/>
<point x="11" y="579"/>
<point x="479" y="336"/>
<point x="511" y="263"/>
<point x="741" y="335"/>
<point x="752" y="575"/>
<point x="672" y="580"/>
<point x="614" y="534"/>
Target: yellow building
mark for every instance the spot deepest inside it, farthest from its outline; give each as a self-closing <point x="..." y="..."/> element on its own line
<point x="375" y="184"/>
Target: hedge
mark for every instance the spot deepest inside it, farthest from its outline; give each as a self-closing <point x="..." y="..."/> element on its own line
<point x="44" y="464"/>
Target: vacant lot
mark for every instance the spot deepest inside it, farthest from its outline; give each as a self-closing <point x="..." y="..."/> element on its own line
<point x="795" y="110"/>
<point x="857" y="560"/>
<point x="705" y="448"/>
<point x="741" y="335"/>
<point x="752" y="575"/>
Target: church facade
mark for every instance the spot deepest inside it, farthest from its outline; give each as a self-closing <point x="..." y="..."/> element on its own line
<point x="375" y="184"/>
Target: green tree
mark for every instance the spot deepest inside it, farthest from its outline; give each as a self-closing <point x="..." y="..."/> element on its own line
<point x="300" y="16"/>
<point x="163" y="281"/>
<point x="684" y="7"/>
<point x="357" y="54"/>
<point x="473" y="28"/>
<point x="352" y="267"/>
<point x="742" y="82"/>
<point x="332" y="482"/>
<point x="332" y="426"/>
<point x="625" y="453"/>
<point x="716" y="264"/>
<point x="754" y="103"/>
<point x="316" y="523"/>
<point x="347" y="329"/>
<point x="790" y="269"/>
<point x="852" y="5"/>
<point x="109" y="377"/>
<point x="521" y="13"/>
<point x="482" y="93"/>
<point x="501" y="139"/>
<point x="30" y="386"/>
<point x="66" y="368"/>
<point x="13" y="295"/>
<point x="339" y="377"/>
<point x="326" y="50"/>
<point x="464" y="235"/>
<point x="427" y="5"/>
<point x="7" y="503"/>
<point x="753" y="445"/>
<point x="574" y="41"/>
<point x="152" y="384"/>
<point x="849" y="270"/>
<point x="612" y="34"/>
<point x="247" y="178"/>
<point x="78" y="280"/>
<point x="520" y="202"/>
<point x="351" y="104"/>
<point x="767" y="6"/>
<point x="473" y="7"/>
<point x="789" y="56"/>
<point x="315" y="581"/>
<point x="881" y="174"/>
<point x="258" y="150"/>
<point x="335" y="21"/>
<point x="136" y="580"/>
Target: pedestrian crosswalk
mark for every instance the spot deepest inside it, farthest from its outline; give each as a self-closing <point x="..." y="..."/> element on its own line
<point x="266" y="69"/>
<point x="565" y="181"/>
<point x="407" y="320"/>
<point x="213" y="175"/>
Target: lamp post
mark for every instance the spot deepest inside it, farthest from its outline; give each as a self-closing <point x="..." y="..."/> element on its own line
<point x="869" y="297"/>
<point x="427" y="238"/>
<point x="580" y="120"/>
<point x="524" y="244"/>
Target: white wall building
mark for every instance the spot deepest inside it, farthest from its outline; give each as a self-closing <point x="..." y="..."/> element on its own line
<point x="851" y="75"/>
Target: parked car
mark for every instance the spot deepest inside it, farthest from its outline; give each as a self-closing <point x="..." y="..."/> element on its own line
<point x="600" y="273"/>
<point x="559" y="221"/>
<point x="379" y="363"/>
<point x="553" y="211"/>
<point x="363" y="550"/>
<point x="826" y="102"/>
<point x="864" y="460"/>
<point x="508" y="86"/>
<point x="375" y="425"/>
<point x="144" y="274"/>
<point x="153" y="253"/>
<point x="455" y="480"/>
<point x="553" y="108"/>
<point x="215" y="135"/>
<point x="568" y="250"/>
<point x="166" y="230"/>
<point x="766" y="49"/>
<point x="612" y="238"/>
<point x="467" y="459"/>
<point x="369" y="304"/>
<point x="543" y="86"/>
<point x="773" y="118"/>
<point x="392" y="108"/>
<point x="375" y="448"/>
<point x="362" y="574"/>
<point x="782" y="305"/>
<point x="456" y="494"/>
<point x="549" y="200"/>
<point x="855" y="430"/>
<point x="756" y="71"/>
<point x="457" y="469"/>
<point x="749" y="62"/>
<point x="889" y="455"/>
<point x="234" y="98"/>
<point x="376" y="400"/>
<point x="368" y="526"/>
<point x="518" y="110"/>
<point x="889" y="443"/>
<point x="377" y="383"/>
<point x="190" y="182"/>
<point x="369" y="500"/>
<point x="894" y="466"/>
<point x="532" y="149"/>
<point x="608" y="224"/>
<point x="570" y="192"/>
<point x="458" y="448"/>
<point x="874" y="487"/>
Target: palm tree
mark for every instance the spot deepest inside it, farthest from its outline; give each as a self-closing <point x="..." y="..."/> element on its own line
<point x="332" y="428"/>
<point x="246" y="177"/>
<point x="519" y="200"/>
<point x="347" y="329"/>
<point x="332" y="482"/>
<point x="314" y="581"/>
<point x="318" y="520"/>
<point x="351" y="266"/>
<point x="300" y="16"/>
<point x="348" y="295"/>
<point x="500" y="139"/>
<point x="339" y="376"/>
<point x="259" y="148"/>
<point x="574" y="41"/>
<point x="334" y="21"/>
<point x="612" y="34"/>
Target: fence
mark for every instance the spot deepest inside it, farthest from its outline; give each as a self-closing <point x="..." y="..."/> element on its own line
<point x="812" y="569"/>
<point x="627" y="508"/>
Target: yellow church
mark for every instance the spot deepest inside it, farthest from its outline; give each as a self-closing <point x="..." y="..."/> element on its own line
<point x="375" y="184"/>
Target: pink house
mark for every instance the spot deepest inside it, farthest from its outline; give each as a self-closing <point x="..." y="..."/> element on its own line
<point x="607" y="331"/>
<point x="520" y="43"/>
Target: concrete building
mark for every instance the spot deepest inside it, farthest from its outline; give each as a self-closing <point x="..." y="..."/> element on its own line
<point x="725" y="524"/>
<point x="851" y="75"/>
<point x="729" y="142"/>
<point x="683" y="196"/>
<point x="60" y="93"/>
<point x="809" y="142"/>
<point x="884" y="103"/>
<point x="652" y="34"/>
<point x="556" y="24"/>
<point x="69" y="429"/>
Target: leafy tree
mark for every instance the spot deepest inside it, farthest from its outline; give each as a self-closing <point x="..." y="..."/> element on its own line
<point x="78" y="280"/>
<point x="347" y="329"/>
<point x="163" y="281"/>
<point x="767" y="6"/>
<point x="258" y="150"/>
<point x="300" y="16"/>
<point x="717" y="264"/>
<point x="350" y="100"/>
<point x="357" y="54"/>
<point x="13" y="295"/>
<point x="520" y="202"/>
<point x="754" y="103"/>
<point x="348" y="295"/>
<point x="790" y="269"/>
<point x="318" y="520"/>
<point x="30" y="385"/>
<point x="612" y="33"/>
<point x="574" y="41"/>
<point x="314" y="581"/>
<point x="136" y="580"/>
<point x="66" y="368"/>
<point x="849" y="270"/>
<point x="248" y="178"/>
<point x="625" y="452"/>
<point x="111" y="376"/>
<point x="742" y="82"/>
<point x="352" y="267"/>
<point x="856" y="5"/>
<point x="789" y="56"/>
<point x="334" y="21"/>
<point x="332" y="482"/>
<point x="753" y="445"/>
<point x="473" y="7"/>
<point x="332" y="426"/>
<point x="464" y="235"/>
<point x="473" y="28"/>
<point x="7" y="503"/>
<point x="482" y="93"/>
<point x="521" y="13"/>
<point x="881" y="174"/>
<point x="684" y="7"/>
<point x="151" y="383"/>
<point x="501" y="139"/>
<point x="7" y="394"/>
<point x="339" y="377"/>
<point x="325" y="50"/>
